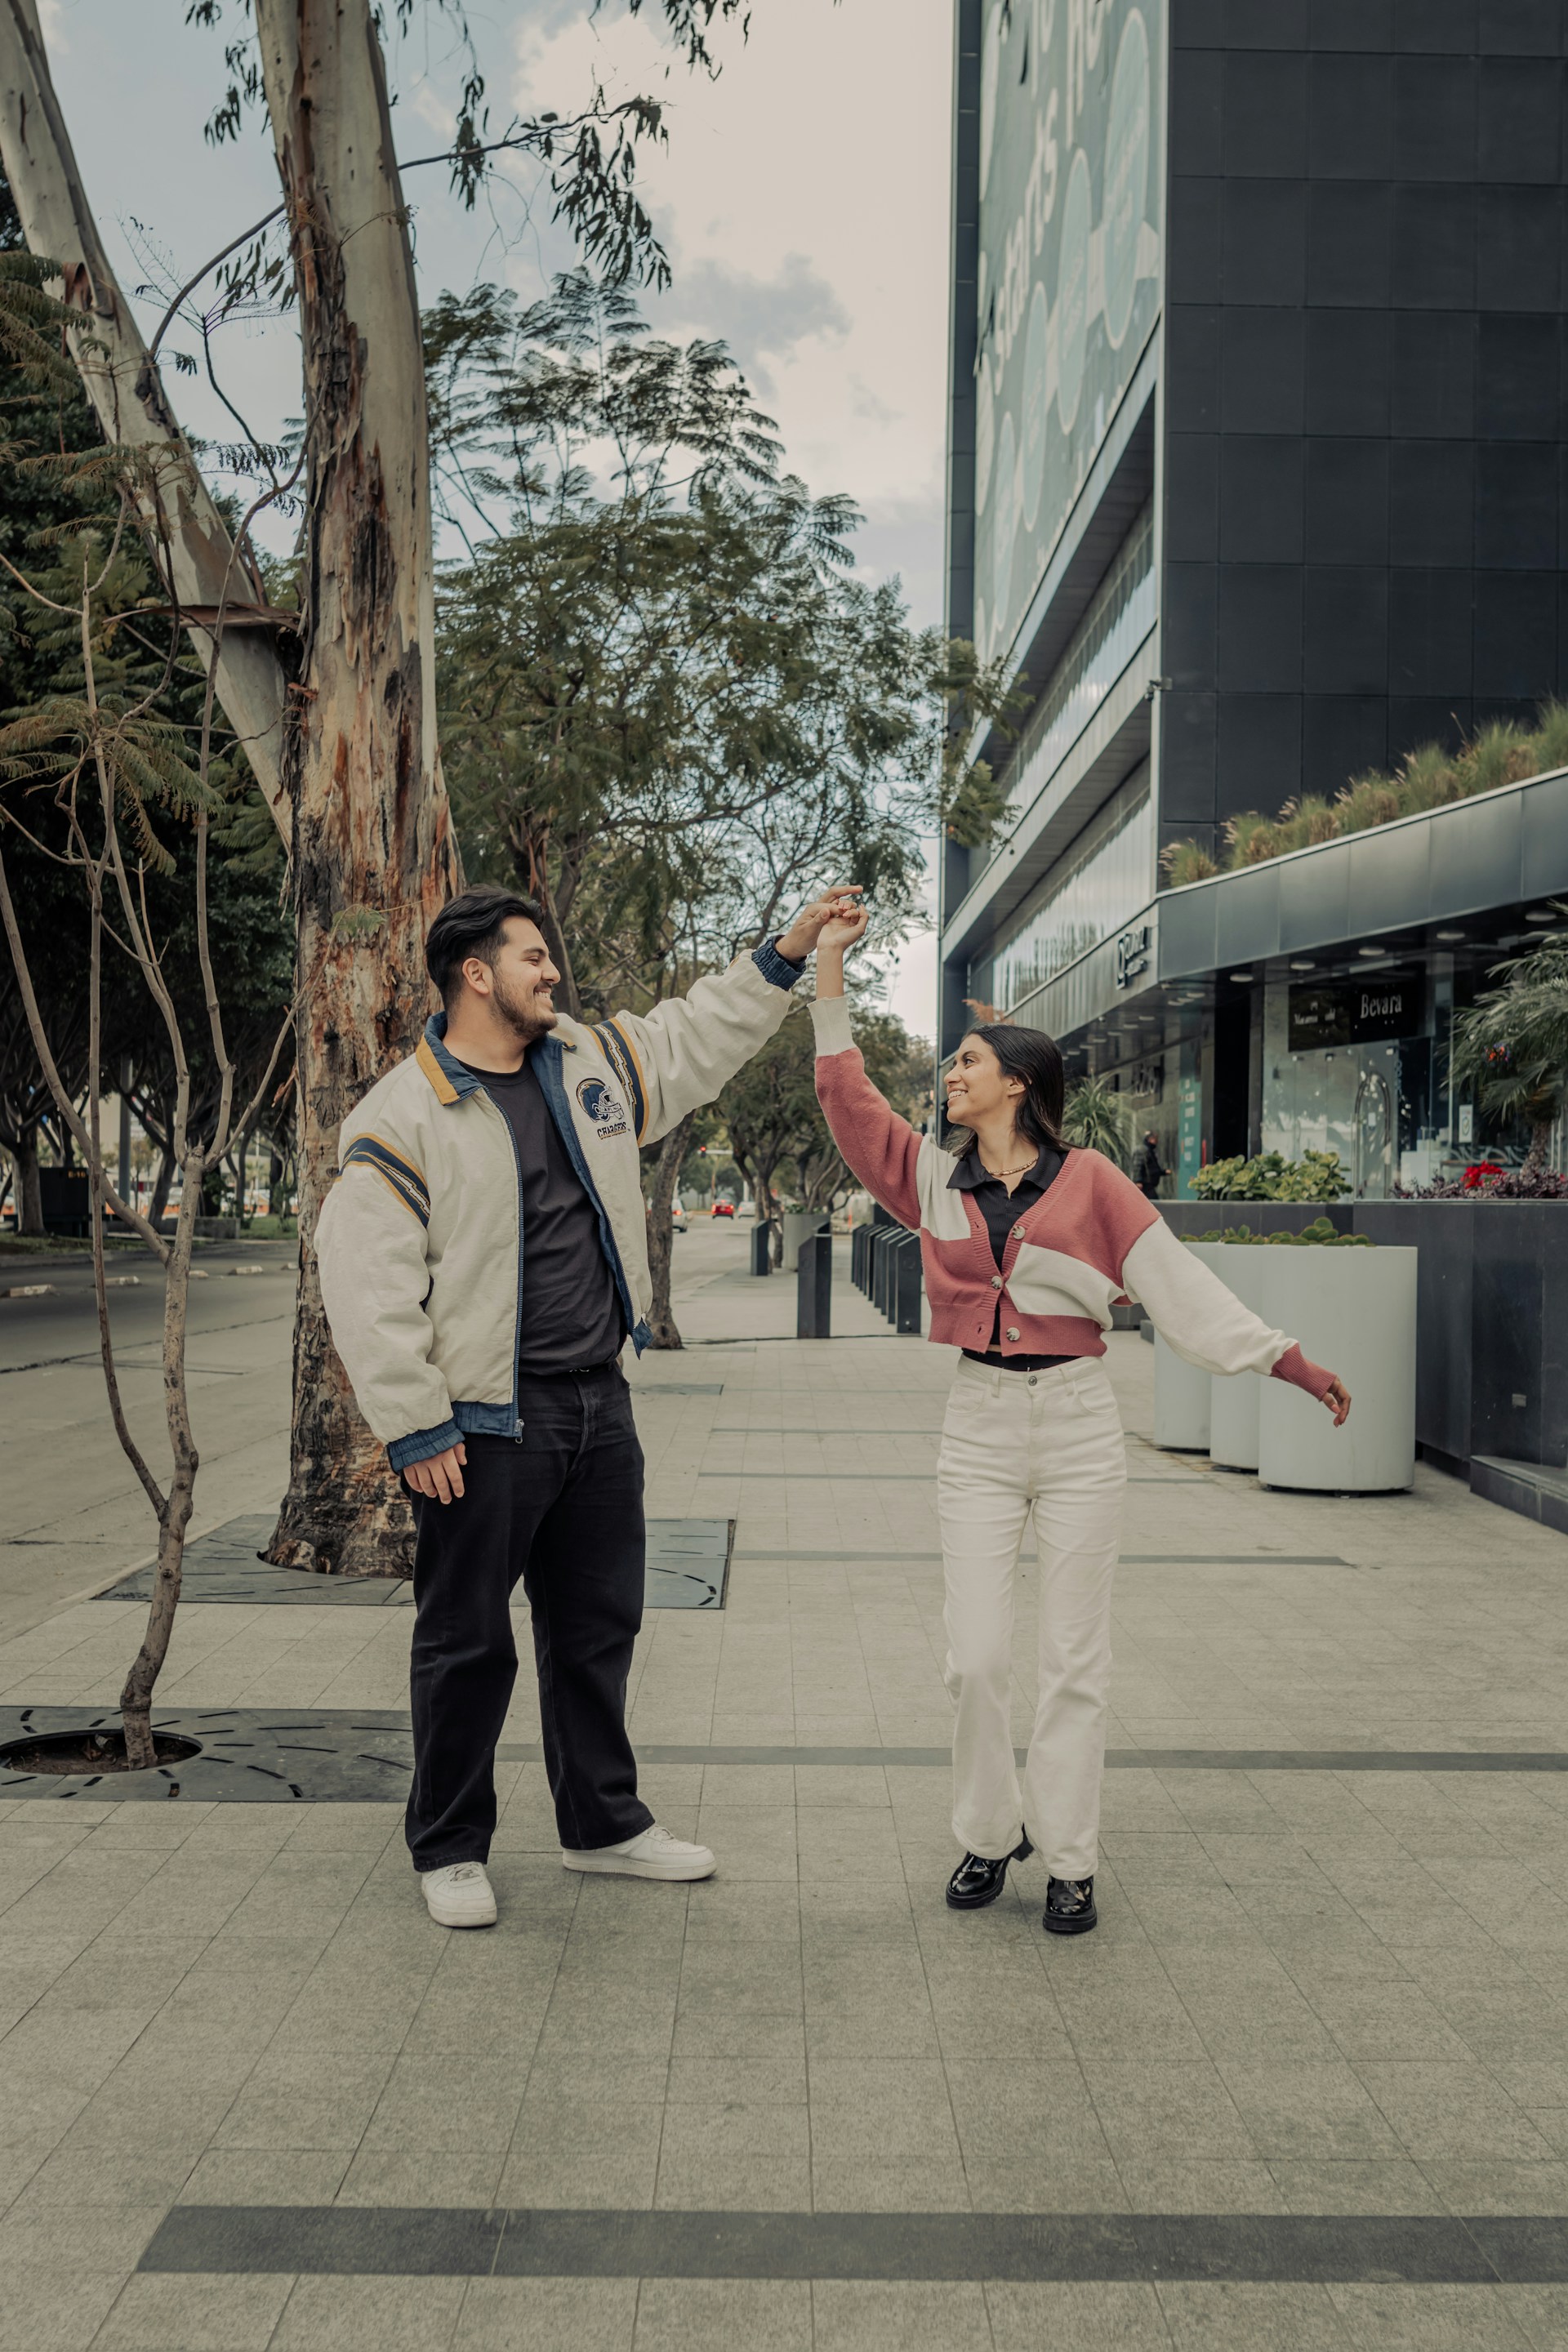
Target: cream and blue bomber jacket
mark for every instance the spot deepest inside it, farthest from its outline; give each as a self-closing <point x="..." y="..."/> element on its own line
<point x="420" y="1245"/>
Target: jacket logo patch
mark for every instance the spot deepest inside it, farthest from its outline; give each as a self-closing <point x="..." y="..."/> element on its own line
<point x="603" y="1108"/>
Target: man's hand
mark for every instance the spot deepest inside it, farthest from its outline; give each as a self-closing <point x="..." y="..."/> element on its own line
<point x="795" y="944"/>
<point x="439" y="1475"/>
<point x="1337" y="1400"/>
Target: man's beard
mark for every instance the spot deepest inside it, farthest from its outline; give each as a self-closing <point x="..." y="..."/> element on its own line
<point x="524" y="1015"/>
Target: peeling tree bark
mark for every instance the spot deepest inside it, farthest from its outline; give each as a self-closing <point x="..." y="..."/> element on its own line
<point x="125" y="391"/>
<point x="373" y="854"/>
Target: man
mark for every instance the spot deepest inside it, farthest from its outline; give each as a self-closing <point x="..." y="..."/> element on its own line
<point x="483" y="1261"/>
<point x="1147" y="1173"/>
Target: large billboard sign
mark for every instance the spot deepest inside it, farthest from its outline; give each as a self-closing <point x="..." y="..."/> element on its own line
<point x="1068" y="284"/>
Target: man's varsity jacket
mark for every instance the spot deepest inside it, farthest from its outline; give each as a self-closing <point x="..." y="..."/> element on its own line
<point x="1085" y="1245"/>
<point x="420" y="1245"/>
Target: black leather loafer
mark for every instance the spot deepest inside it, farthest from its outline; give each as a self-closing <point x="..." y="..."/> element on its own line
<point x="978" y="1880"/>
<point x="1070" y="1907"/>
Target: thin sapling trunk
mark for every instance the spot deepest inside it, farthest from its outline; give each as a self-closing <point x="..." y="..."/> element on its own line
<point x="666" y="1171"/>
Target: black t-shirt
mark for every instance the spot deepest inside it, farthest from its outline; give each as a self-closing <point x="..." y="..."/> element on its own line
<point x="571" y="1307"/>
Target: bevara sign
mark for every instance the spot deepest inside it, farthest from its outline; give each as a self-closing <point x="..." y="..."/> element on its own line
<point x="1356" y="1011"/>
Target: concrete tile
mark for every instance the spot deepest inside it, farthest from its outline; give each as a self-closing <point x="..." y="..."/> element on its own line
<point x="590" y="2155"/>
<point x="1451" y="2111"/>
<point x="369" y="2315"/>
<point x="546" y="2316"/>
<point x="1427" y="2319"/>
<point x="421" y="2177"/>
<point x="247" y="2175"/>
<point x="156" y="2311"/>
<point x="46" y="2309"/>
<point x="1098" y="2317"/>
<point x="718" y="2315"/>
<point x="1152" y="2109"/>
<point x="1241" y="2318"/>
<point x="1356" y="2185"/>
<point x="1309" y="2110"/>
<point x="866" y="2315"/>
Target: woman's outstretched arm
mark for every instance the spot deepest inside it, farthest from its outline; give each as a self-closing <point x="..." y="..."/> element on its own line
<point x="880" y="1147"/>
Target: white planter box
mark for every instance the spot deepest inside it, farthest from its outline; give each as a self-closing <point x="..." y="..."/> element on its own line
<point x="797" y="1223"/>
<point x="1243" y="1267"/>
<point x="1353" y="1310"/>
<point x="1182" y="1392"/>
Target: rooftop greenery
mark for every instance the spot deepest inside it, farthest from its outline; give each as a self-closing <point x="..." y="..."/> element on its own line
<point x="1500" y="754"/>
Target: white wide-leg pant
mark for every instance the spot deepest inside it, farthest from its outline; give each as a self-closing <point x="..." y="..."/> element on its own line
<point x="1015" y="1443"/>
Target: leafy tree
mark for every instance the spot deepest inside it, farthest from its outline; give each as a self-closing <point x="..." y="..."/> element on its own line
<point x="1512" y="1045"/>
<point x="775" y="1123"/>
<point x="666" y="705"/>
<point x="334" y="702"/>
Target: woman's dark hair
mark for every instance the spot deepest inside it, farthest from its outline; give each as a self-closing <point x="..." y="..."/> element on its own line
<point x="471" y="925"/>
<point x="1029" y="1054"/>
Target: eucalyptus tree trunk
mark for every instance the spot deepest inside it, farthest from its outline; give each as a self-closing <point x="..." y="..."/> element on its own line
<point x="190" y="541"/>
<point x="373" y="853"/>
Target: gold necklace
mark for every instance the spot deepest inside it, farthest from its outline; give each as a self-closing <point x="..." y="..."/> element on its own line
<point x="1010" y="1171"/>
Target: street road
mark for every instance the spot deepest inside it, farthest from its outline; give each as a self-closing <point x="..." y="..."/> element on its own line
<point x="72" y="1514"/>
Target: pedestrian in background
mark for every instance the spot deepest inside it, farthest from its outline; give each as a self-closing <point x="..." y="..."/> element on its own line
<point x="1026" y="1245"/>
<point x="1147" y="1173"/>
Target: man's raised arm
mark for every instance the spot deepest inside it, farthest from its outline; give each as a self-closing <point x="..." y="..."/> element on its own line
<point x="677" y="1058"/>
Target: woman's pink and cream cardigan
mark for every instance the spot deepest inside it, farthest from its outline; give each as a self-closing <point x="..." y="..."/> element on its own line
<point x="1091" y="1242"/>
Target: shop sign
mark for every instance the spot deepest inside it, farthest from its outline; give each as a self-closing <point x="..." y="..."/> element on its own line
<point x="1357" y="1012"/>
<point x="1133" y="950"/>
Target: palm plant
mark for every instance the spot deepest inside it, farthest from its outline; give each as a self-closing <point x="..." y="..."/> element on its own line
<point x="1512" y="1045"/>
<point x="1097" y="1120"/>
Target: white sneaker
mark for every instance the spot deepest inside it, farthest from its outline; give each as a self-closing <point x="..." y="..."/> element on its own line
<point x="460" y="1895"/>
<point x="653" y="1853"/>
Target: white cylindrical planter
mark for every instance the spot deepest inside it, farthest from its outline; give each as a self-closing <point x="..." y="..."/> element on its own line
<point x="797" y="1223"/>
<point x="1243" y="1267"/>
<point x="1353" y="1310"/>
<point x="1181" y="1393"/>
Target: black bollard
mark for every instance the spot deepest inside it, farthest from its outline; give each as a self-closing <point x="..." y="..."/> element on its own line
<point x="813" y="1287"/>
<point x="908" y="1285"/>
<point x="761" y="1246"/>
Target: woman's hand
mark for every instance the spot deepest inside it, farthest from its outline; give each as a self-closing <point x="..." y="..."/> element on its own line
<point x="844" y="927"/>
<point x="810" y="927"/>
<point x="1336" y="1398"/>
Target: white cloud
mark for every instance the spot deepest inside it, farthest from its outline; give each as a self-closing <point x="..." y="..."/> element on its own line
<point x="815" y="166"/>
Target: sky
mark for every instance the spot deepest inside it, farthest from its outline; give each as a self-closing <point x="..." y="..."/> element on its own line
<point x="803" y="200"/>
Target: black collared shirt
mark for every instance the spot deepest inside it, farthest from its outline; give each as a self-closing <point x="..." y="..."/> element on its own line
<point x="1002" y="1210"/>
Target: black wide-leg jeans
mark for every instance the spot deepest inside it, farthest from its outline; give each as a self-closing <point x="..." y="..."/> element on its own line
<point x="562" y="1507"/>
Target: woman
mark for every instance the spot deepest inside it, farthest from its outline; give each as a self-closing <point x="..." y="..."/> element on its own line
<point x="1027" y="1245"/>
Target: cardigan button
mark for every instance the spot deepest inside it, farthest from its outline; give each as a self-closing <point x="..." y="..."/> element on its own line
<point x="996" y="1282"/>
<point x="1013" y="1332"/>
<point x="1017" y="1233"/>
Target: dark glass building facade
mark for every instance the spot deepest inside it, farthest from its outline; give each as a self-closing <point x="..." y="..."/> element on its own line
<point x="1314" y="518"/>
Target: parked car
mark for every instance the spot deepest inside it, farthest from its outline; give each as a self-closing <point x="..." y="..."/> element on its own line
<point x="677" y="1218"/>
<point x="723" y="1208"/>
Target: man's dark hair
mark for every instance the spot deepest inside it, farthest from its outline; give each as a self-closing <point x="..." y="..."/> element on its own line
<point x="471" y="925"/>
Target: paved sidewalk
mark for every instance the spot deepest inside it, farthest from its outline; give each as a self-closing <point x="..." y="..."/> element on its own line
<point x="1323" y="2017"/>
